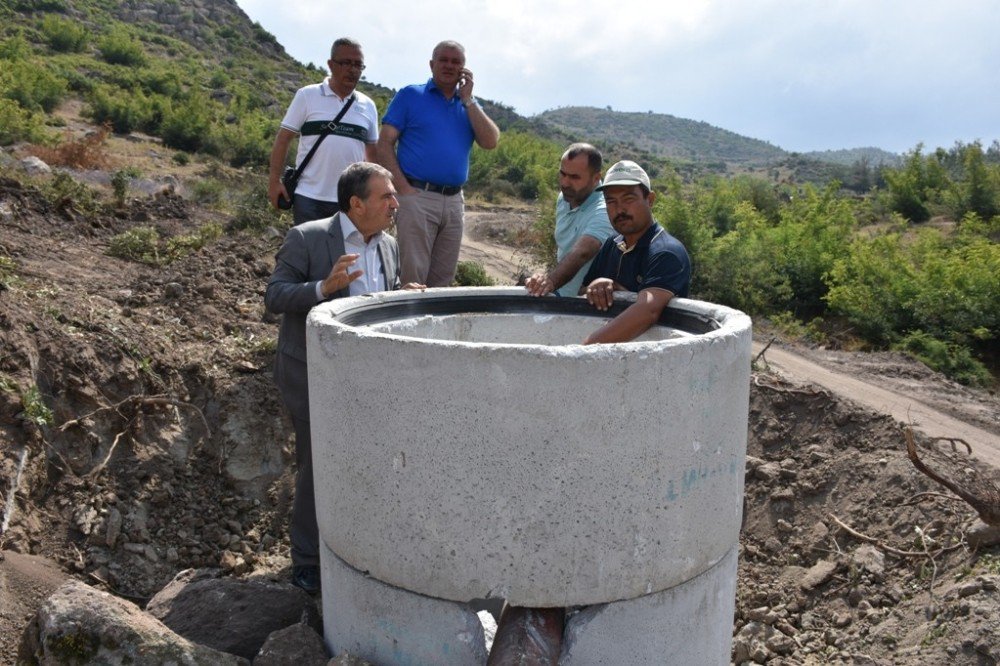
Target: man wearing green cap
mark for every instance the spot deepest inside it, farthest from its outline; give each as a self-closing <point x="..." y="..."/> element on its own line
<point x="642" y="258"/>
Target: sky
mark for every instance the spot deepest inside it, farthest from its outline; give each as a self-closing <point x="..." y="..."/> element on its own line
<point x="800" y="74"/>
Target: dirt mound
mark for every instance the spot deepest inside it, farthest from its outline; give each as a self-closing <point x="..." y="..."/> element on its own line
<point x="140" y="434"/>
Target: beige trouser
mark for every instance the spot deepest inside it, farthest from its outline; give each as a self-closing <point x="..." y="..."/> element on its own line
<point x="429" y="231"/>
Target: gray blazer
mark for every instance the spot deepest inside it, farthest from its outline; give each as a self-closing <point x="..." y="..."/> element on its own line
<point x="306" y="257"/>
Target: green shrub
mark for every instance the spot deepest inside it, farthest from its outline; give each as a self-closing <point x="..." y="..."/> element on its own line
<point x="953" y="360"/>
<point x="472" y="274"/>
<point x="208" y="190"/>
<point x="162" y="80"/>
<point x="64" y="35"/>
<point x="247" y="141"/>
<point x="15" y="47"/>
<point x="144" y="244"/>
<point x="63" y="192"/>
<point x="186" y="124"/>
<point x="543" y="230"/>
<point x="126" y="112"/>
<point x="120" y="181"/>
<point x="119" y="47"/>
<point x="8" y="275"/>
<point x="140" y="244"/>
<point x="32" y="86"/>
<point x="179" y="246"/>
<point x="253" y="211"/>
<point x="35" y="409"/>
<point x="19" y="124"/>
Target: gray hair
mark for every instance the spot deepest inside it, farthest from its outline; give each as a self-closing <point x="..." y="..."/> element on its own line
<point x="344" y="41"/>
<point x="448" y="44"/>
<point x="355" y="182"/>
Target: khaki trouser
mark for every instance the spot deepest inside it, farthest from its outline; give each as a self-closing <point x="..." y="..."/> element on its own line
<point x="429" y="231"/>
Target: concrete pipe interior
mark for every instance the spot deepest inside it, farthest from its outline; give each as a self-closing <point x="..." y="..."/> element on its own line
<point x="465" y="445"/>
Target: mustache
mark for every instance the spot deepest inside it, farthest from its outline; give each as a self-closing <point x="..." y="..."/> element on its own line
<point x="621" y="217"/>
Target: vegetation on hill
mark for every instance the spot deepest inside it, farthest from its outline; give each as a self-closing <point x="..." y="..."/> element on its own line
<point x="898" y="255"/>
<point x="850" y="156"/>
<point x="664" y="135"/>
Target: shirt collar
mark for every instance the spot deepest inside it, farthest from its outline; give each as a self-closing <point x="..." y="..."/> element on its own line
<point x="327" y="91"/>
<point x="351" y="232"/>
<point x="433" y="87"/>
<point x="644" y="240"/>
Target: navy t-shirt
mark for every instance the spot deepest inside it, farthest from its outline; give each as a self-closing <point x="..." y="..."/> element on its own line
<point x="657" y="260"/>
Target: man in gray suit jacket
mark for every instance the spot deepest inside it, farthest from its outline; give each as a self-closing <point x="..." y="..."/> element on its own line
<point x="344" y="255"/>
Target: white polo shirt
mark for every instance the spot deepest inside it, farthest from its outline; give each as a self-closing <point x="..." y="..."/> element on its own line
<point x="319" y="103"/>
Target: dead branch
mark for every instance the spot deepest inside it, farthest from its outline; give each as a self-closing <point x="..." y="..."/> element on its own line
<point x="137" y="401"/>
<point x="761" y="354"/>
<point x="101" y="465"/>
<point x="984" y="497"/>
<point x="887" y="548"/>
<point x="924" y="540"/>
<point x="811" y="392"/>
<point x="954" y="441"/>
<point x="920" y="497"/>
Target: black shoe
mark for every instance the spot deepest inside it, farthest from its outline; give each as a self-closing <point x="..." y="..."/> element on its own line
<point x="306" y="576"/>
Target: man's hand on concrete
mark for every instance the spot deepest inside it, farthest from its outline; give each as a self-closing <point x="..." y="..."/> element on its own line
<point x="538" y="284"/>
<point x="601" y="293"/>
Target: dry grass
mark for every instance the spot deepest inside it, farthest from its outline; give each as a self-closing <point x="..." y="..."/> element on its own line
<point x="88" y="152"/>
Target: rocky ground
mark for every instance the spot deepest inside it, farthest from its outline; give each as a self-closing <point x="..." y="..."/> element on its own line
<point x="154" y="441"/>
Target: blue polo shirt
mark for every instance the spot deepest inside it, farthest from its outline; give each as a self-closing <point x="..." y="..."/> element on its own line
<point x="588" y="219"/>
<point x="656" y="260"/>
<point x="435" y="135"/>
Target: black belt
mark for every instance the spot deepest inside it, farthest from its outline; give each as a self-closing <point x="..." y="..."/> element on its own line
<point x="446" y="190"/>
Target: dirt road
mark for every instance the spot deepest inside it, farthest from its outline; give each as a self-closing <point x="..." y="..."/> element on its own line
<point x="900" y="406"/>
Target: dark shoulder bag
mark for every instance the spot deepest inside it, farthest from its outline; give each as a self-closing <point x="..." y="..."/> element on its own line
<point x="290" y="177"/>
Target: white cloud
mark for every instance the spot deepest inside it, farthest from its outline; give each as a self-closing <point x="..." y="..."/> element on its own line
<point x="802" y="75"/>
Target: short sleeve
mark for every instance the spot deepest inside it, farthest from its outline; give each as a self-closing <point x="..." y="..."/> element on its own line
<point x="667" y="270"/>
<point x="295" y="116"/>
<point x="396" y="114"/>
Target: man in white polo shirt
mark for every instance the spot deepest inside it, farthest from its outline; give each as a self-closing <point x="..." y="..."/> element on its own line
<point x="352" y="140"/>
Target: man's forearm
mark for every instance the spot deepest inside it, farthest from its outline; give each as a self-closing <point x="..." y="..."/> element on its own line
<point x="279" y="153"/>
<point x="583" y="250"/>
<point x="629" y="325"/>
<point x="486" y="132"/>
<point x="386" y="153"/>
<point x="635" y="320"/>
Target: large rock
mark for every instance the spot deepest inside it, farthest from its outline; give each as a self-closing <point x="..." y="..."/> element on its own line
<point x="25" y="582"/>
<point x="229" y="614"/>
<point x="298" y="644"/>
<point x="80" y="625"/>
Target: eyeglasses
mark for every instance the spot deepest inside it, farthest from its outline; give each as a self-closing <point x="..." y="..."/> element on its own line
<point x="356" y="64"/>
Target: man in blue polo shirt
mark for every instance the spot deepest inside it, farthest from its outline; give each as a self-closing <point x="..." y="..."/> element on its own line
<point x="426" y="137"/>
<point x="581" y="223"/>
<point x="642" y="258"/>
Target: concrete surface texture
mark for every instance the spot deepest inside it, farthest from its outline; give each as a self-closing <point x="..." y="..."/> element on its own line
<point x="386" y="625"/>
<point x="546" y="474"/>
<point x="687" y="625"/>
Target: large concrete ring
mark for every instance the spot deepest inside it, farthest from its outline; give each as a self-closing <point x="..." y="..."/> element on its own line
<point x="465" y="445"/>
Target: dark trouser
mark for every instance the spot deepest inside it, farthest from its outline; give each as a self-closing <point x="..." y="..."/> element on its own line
<point x="305" y="209"/>
<point x="304" y="531"/>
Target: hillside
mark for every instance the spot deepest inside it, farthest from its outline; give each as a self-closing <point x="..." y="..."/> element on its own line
<point x="141" y="433"/>
<point x="694" y="148"/>
<point x="664" y="135"/>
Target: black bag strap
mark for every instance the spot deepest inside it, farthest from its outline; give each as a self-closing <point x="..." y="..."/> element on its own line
<point x="330" y="126"/>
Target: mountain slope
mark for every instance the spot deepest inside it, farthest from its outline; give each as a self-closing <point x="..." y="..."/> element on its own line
<point x="664" y="135"/>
